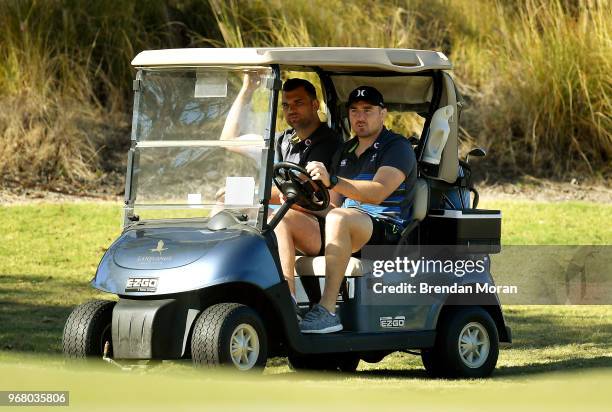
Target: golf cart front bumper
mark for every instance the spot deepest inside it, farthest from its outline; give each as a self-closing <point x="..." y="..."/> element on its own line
<point x="152" y="329"/>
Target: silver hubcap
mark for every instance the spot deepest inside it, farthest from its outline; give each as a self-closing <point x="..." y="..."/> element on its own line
<point x="474" y="345"/>
<point x="244" y="346"/>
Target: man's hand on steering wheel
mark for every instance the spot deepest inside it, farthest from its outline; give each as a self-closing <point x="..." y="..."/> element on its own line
<point x="296" y="183"/>
<point x="318" y="172"/>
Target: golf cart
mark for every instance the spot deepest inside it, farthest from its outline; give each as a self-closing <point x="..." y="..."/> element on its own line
<point x="197" y="274"/>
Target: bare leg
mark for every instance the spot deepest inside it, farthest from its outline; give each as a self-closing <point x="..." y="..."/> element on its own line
<point x="296" y="230"/>
<point x="346" y="231"/>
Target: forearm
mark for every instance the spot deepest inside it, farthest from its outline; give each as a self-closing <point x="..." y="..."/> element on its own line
<point x="231" y="128"/>
<point x="386" y="180"/>
<point x="365" y="191"/>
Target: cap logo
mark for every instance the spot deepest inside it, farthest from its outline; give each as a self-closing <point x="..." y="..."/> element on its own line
<point x="361" y="93"/>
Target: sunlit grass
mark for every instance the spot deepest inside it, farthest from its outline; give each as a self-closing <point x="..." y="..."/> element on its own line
<point x="50" y="252"/>
<point x="553" y="223"/>
<point x="163" y="388"/>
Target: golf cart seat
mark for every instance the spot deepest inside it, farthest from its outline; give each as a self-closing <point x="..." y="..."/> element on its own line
<point x="315" y="266"/>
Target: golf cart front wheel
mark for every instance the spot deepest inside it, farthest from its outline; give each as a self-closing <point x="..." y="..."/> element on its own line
<point x="87" y="330"/>
<point x="467" y="345"/>
<point x="229" y="334"/>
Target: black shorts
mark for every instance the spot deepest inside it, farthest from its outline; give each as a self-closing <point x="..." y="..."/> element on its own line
<point x="384" y="232"/>
<point x="322" y="232"/>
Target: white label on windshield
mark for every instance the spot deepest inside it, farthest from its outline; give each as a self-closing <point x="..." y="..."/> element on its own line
<point x="210" y="85"/>
<point x="194" y="198"/>
<point x="239" y="190"/>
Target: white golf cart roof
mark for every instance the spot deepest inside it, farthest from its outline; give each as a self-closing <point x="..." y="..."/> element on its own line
<point x="347" y="67"/>
<point x="338" y="59"/>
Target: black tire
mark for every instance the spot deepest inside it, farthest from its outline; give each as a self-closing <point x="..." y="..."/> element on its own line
<point x="444" y="360"/>
<point x="87" y="329"/>
<point x="306" y="363"/>
<point x="348" y="362"/>
<point x="341" y="362"/>
<point x="211" y="339"/>
<point x="433" y="362"/>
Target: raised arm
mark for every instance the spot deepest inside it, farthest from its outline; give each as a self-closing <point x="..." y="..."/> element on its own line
<point x="231" y="128"/>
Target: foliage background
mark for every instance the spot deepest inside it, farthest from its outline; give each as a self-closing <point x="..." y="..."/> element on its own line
<point x="535" y="74"/>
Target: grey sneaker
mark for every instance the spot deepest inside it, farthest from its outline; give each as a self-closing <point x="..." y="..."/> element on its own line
<point x="319" y="320"/>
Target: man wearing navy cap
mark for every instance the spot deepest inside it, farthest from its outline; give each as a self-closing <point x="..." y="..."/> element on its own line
<point x="374" y="180"/>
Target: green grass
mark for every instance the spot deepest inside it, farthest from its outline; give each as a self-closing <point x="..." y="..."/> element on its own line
<point x="553" y="223"/>
<point x="162" y="389"/>
<point x="49" y="252"/>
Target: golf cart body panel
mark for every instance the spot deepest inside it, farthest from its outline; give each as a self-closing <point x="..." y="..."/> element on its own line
<point x="361" y="313"/>
<point x="183" y="250"/>
<point x="188" y="259"/>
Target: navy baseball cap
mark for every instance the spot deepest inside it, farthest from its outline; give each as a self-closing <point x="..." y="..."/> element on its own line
<point x="367" y="94"/>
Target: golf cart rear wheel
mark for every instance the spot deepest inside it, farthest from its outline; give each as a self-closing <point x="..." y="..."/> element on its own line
<point x="87" y="330"/>
<point x="467" y="345"/>
<point x="343" y="362"/>
<point x="229" y="334"/>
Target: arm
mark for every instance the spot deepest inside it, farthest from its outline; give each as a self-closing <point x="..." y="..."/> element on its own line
<point x="231" y="128"/>
<point x="386" y="180"/>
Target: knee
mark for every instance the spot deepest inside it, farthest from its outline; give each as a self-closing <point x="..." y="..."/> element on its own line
<point x="336" y="219"/>
<point x="282" y="228"/>
<point x="286" y="224"/>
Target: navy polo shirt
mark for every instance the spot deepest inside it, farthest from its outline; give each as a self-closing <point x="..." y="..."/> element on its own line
<point x="389" y="149"/>
<point x="320" y="146"/>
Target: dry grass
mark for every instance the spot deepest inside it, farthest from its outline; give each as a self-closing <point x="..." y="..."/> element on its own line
<point x="64" y="86"/>
<point x="548" y="106"/>
<point x="536" y="74"/>
<point x="43" y="104"/>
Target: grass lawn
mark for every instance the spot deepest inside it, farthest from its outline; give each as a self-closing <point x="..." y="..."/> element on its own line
<point x="49" y="252"/>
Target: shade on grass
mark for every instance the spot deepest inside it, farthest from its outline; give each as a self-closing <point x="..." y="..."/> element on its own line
<point x="49" y="252"/>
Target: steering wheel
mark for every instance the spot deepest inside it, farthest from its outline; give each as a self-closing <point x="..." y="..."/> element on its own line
<point x="294" y="182"/>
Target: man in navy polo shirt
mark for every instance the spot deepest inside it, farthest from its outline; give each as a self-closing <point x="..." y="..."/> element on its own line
<point x="374" y="181"/>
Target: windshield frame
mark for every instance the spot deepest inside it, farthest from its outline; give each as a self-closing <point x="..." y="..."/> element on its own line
<point x="267" y="154"/>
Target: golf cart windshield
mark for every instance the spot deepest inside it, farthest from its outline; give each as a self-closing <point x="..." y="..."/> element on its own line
<point x="192" y="155"/>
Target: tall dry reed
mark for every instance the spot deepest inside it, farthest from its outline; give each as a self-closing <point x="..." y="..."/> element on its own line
<point x="535" y="74"/>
